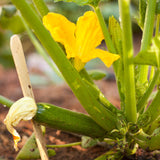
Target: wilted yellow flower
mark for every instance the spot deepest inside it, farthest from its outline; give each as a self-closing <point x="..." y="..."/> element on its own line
<point x="80" y="40"/>
<point x="23" y="109"/>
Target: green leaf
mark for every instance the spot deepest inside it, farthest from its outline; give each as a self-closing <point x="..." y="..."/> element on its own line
<point x="82" y="2"/>
<point x="146" y="58"/>
<point x="96" y="74"/>
<point x="30" y="150"/>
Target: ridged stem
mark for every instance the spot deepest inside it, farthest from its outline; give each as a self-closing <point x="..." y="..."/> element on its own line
<point x="129" y="81"/>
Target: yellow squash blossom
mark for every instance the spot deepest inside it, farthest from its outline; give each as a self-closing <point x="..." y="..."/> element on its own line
<point x="23" y="109"/>
<point x="80" y="40"/>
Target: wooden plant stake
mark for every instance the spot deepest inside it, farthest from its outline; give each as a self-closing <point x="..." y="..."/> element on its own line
<point x="22" y="71"/>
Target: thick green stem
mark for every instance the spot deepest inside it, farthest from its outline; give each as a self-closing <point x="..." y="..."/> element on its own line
<point x="130" y="99"/>
<point x="97" y="93"/>
<point x="147" y="36"/>
<point x="41" y="7"/>
<point x="148" y="92"/>
<point x="100" y="114"/>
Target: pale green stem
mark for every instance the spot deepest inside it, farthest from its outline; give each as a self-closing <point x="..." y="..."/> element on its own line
<point x="106" y="34"/>
<point x="5" y="101"/>
<point x="147" y="36"/>
<point x="111" y="48"/>
<point x="40" y="49"/>
<point x="64" y="145"/>
<point x="129" y="82"/>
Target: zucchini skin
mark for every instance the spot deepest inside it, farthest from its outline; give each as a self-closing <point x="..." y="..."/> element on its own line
<point x="67" y="120"/>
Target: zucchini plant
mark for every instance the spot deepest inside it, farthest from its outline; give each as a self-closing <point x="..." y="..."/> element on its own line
<point x="136" y="124"/>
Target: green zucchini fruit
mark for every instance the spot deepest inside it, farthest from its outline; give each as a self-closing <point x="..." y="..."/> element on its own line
<point x="67" y="120"/>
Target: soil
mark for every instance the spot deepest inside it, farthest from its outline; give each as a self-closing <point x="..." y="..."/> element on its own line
<point x="62" y="96"/>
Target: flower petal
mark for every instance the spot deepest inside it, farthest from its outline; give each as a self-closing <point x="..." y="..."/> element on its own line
<point x="88" y="34"/>
<point x="62" y="30"/>
<point x="23" y="109"/>
<point x="105" y="56"/>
